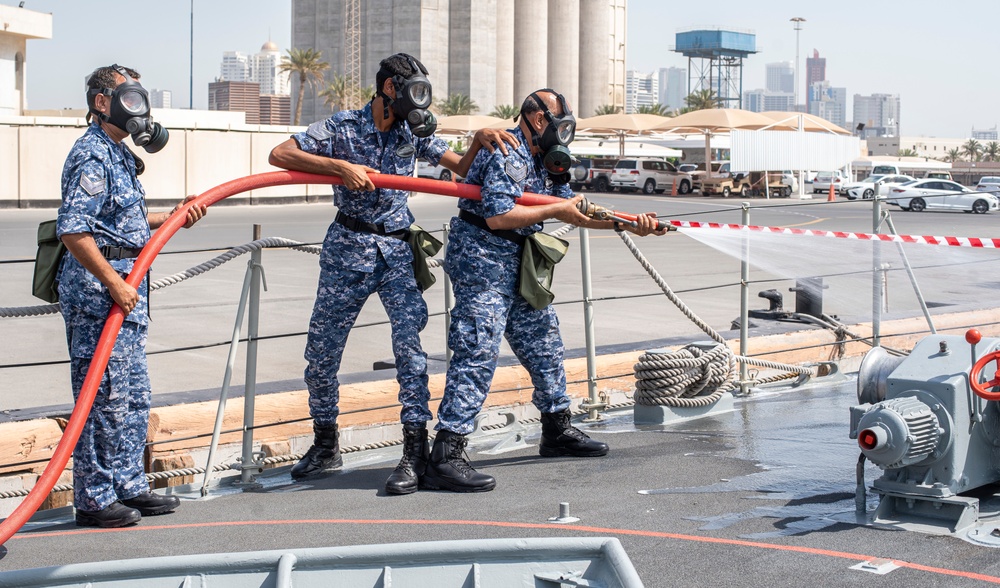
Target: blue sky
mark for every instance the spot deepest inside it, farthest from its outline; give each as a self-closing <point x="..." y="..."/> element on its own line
<point x="934" y="55"/>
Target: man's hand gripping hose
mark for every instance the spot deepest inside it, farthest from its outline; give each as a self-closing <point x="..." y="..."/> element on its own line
<point x="598" y="212"/>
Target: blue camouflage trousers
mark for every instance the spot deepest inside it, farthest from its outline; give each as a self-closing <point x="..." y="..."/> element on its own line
<point x="341" y="294"/>
<point x="108" y="458"/>
<point x="478" y="321"/>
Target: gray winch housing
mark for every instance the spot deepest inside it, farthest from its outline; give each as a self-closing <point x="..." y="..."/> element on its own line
<point x="934" y="438"/>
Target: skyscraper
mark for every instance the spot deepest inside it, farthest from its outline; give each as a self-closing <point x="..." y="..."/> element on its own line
<point x="815" y="72"/>
<point x="159" y="98"/>
<point x="780" y="77"/>
<point x="673" y="86"/>
<point x="263" y="68"/>
<point x="640" y="90"/>
<point x="879" y="113"/>
<point x="828" y="103"/>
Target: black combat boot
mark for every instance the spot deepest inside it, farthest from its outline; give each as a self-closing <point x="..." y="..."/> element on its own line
<point x="150" y="504"/>
<point x="114" y="515"/>
<point x="448" y="469"/>
<point x="411" y="467"/>
<point x="323" y="455"/>
<point x="560" y="437"/>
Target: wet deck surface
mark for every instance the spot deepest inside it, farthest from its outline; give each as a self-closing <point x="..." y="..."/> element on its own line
<point x="759" y="496"/>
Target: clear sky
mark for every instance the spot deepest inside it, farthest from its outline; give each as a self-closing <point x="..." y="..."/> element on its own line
<point x="939" y="57"/>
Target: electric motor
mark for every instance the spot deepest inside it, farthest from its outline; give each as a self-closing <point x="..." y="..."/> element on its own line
<point x="899" y="432"/>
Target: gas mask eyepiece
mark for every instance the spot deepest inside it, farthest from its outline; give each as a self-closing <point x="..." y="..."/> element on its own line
<point x="554" y="139"/>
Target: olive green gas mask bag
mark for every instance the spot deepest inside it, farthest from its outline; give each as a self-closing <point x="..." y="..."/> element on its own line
<point x="538" y="263"/>
<point x="424" y="246"/>
<point x="47" y="259"/>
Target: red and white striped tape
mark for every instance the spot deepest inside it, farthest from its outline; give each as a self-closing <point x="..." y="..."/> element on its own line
<point x="917" y="239"/>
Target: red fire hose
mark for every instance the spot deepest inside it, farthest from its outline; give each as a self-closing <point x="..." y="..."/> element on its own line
<point x="99" y="362"/>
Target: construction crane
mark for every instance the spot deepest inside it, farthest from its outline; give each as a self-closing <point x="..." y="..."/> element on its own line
<point x="352" y="52"/>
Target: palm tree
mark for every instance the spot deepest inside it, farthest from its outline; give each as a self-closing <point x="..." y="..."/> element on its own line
<point x="306" y="63"/>
<point x="953" y="155"/>
<point x="505" y="111"/>
<point x="991" y="151"/>
<point x="657" y="109"/>
<point x="456" y="104"/>
<point x="701" y="100"/>
<point x="906" y="153"/>
<point x="336" y="93"/>
<point x="607" y="109"/>
<point x="972" y="149"/>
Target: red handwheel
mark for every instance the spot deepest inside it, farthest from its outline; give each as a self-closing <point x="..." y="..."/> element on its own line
<point x="981" y="389"/>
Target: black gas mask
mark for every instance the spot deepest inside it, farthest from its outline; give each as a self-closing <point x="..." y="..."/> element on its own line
<point x="552" y="141"/>
<point x="130" y="113"/>
<point x="413" y="98"/>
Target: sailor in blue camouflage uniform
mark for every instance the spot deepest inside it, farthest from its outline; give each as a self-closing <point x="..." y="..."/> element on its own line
<point x="366" y="252"/>
<point x="104" y="224"/>
<point x="483" y="260"/>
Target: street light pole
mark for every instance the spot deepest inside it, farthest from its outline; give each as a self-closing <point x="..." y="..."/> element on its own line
<point x="798" y="20"/>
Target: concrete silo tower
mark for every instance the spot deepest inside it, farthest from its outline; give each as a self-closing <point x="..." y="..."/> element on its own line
<point x="531" y="48"/>
<point x="564" y="49"/>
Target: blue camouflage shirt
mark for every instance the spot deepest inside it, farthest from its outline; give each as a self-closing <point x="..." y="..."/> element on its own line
<point x="478" y="258"/>
<point x="101" y="196"/>
<point x="351" y="135"/>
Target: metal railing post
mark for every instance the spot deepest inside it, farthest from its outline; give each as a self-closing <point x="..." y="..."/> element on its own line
<point x="449" y="301"/>
<point x="876" y="271"/>
<point x="593" y="405"/>
<point x="250" y="464"/>
<point x="745" y="297"/>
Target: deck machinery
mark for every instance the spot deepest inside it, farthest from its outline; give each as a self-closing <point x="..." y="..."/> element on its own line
<point x="931" y="422"/>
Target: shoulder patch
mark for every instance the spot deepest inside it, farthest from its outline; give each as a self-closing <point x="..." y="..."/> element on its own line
<point x="92" y="186"/>
<point x="319" y="131"/>
<point x="516" y="169"/>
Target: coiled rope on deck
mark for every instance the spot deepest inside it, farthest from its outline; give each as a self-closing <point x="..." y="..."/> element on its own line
<point x="692" y="376"/>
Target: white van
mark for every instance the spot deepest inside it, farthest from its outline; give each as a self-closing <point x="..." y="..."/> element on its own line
<point x="886" y="169"/>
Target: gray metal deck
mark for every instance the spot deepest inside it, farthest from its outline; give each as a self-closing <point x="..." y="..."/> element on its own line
<point x="762" y="495"/>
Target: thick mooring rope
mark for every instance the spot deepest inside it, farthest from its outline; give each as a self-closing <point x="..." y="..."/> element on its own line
<point x="692" y="376"/>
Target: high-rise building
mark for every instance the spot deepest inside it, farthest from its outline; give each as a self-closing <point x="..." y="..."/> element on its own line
<point x="494" y="51"/>
<point x="159" y="98"/>
<point x="238" y="96"/>
<point x="640" y="90"/>
<point x="780" y="77"/>
<point x="673" y="87"/>
<point x="828" y="103"/>
<point x="263" y="68"/>
<point x="762" y="100"/>
<point x="275" y="109"/>
<point x="985" y="134"/>
<point x="815" y="72"/>
<point x="235" y="67"/>
<point x="879" y="113"/>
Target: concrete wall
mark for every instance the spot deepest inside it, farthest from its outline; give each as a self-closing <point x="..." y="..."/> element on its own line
<point x="473" y="72"/>
<point x="32" y="156"/>
<point x="564" y="50"/>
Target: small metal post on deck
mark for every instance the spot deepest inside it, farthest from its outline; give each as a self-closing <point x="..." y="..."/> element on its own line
<point x="876" y="271"/>
<point x="593" y="405"/>
<point x="449" y="302"/>
<point x="745" y="297"/>
<point x="250" y="385"/>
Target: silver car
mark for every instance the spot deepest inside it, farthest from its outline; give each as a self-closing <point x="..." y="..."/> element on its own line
<point x="989" y="184"/>
<point x="923" y="195"/>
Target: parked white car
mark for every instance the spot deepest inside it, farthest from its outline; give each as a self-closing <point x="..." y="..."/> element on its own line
<point x="823" y="180"/>
<point x="865" y="189"/>
<point x="649" y="175"/>
<point x="435" y="172"/>
<point x="921" y="195"/>
<point x="989" y="184"/>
